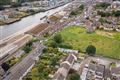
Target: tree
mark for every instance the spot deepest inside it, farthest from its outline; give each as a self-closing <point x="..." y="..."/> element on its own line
<point x="74" y="76"/>
<point x="58" y="38"/>
<point x="91" y="50"/>
<point x="116" y="13"/>
<point x="5" y="66"/>
<point x="53" y="44"/>
<point x="73" y="13"/>
<point x="28" y="78"/>
<point x="81" y="7"/>
<point x="27" y="49"/>
<point x="29" y="43"/>
<point x="102" y="5"/>
<point x="104" y="14"/>
<point x="53" y="61"/>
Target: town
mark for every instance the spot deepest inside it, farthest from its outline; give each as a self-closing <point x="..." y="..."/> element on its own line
<point x="72" y="40"/>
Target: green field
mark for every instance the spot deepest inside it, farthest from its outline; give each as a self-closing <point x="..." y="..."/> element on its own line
<point x="105" y="42"/>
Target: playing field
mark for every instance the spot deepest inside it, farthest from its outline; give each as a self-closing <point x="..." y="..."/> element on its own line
<point x="105" y="42"/>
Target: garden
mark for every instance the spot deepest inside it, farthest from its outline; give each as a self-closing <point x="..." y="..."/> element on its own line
<point x="46" y="67"/>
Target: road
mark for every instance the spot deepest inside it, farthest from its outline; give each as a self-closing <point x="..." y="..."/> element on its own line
<point x="19" y="70"/>
<point x="105" y="61"/>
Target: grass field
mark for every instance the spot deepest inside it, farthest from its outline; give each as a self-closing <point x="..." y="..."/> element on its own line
<point x="105" y="42"/>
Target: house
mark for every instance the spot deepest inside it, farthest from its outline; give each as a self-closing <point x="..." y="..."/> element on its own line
<point x="95" y="72"/>
<point x="65" y="66"/>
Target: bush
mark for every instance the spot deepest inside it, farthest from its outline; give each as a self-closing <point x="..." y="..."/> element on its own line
<point x="81" y="7"/>
<point x="102" y="5"/>
<point x="29" y="43"/>
<point x="34" y="40"/>
<point x="46" y="34"/>
<point x="91" y="50"/>
<point x="44" y="50"/>
<point x="104" y="14"/>
<point x="53" y="44"/>
<point x="73" y="13"/>
<point x="67" y="46"/>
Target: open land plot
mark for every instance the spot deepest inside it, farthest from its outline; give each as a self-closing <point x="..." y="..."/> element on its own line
<point x="106" y="45"/>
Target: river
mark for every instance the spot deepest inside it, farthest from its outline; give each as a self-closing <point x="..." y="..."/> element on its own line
<point x="11" y="29"/>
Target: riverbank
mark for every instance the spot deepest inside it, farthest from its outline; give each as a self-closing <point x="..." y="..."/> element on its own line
<point x="8" y="31"/>
<point x="13" y="20"/>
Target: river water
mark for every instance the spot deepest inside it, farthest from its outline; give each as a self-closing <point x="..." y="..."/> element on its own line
<point x="8" y="30"/>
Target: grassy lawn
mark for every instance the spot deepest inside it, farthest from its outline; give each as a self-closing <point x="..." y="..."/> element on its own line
<point x="105" y="42"/>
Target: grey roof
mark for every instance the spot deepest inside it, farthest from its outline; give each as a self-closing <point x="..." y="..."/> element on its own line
<point x="65" y="65"/>
<point x="58" y="76"/>
<point x="70" y="58"/>
<point x="107" y="73"/>
<point x="100" y="68"/>
<point x="92" y="67"/>
<point x="115" y="70"/>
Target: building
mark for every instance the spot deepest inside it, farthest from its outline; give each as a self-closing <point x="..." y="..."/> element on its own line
<point x="65" y="66"/>
<point x="68" y="50"/>
<point x="115" y="4"/>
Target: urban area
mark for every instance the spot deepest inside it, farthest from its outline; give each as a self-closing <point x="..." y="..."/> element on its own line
<point x="59" y="39"/>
